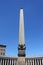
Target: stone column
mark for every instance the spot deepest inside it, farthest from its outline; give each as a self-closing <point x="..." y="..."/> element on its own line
<point x="12" y="61"/>
<point x="33" y="61"/>
<point x="3" y="61"/>
<point x="40" y="61"/>
<point x="7" y="62"/>
<point x="17" y="62"/>
<point x="37" y="62"/>
<point x="30" y="62"/>
<point x="26" y="61"/>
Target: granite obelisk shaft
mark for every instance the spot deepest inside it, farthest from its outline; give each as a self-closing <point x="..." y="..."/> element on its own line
<point x="21" y="28"/>
<point x="21" y="45"/>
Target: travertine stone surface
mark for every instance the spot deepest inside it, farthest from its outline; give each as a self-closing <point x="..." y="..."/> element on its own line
<point x="21" y="61"/>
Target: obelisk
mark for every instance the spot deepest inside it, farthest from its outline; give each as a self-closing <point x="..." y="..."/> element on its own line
<point x="21" y="45"/>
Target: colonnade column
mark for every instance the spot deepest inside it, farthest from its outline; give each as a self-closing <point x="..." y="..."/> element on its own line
<point x="30" y="62"/>
<point x="37" y="62"/>
<point x="16" y="62"/>
<point x="40" y="61"/>
<point x="33" y="61"/>
<point x="26" y="62"/>
<point x="12" y="61"/>
<point x="3" y="61"/>
<point x="7" y="62"/>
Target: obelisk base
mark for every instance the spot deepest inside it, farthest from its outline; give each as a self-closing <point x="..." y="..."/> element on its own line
<point x="21" y="61"/>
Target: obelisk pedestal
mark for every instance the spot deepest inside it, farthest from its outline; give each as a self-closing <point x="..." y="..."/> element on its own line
<point x="21" y="61"/>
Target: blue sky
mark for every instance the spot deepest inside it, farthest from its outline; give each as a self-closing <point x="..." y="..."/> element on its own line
<point x="9" y="26"/>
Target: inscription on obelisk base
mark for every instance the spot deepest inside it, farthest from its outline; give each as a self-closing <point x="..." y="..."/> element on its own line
<point x="21" y="61"/>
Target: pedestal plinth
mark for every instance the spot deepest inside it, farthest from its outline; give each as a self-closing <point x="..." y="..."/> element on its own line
<point x="21" y="61"/>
